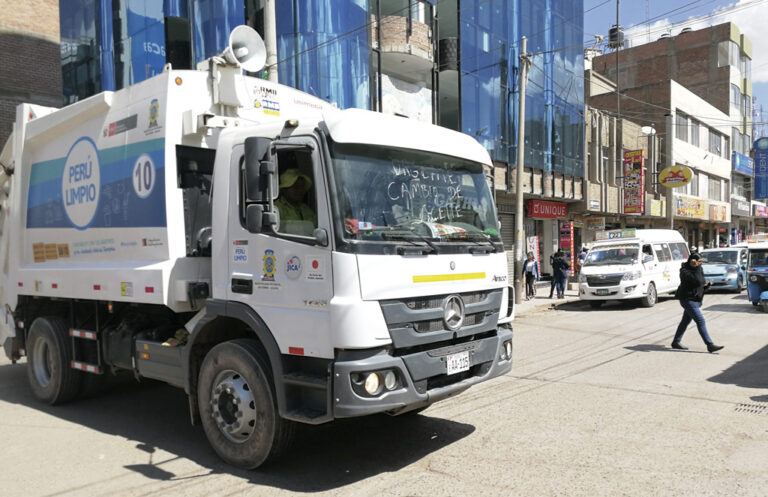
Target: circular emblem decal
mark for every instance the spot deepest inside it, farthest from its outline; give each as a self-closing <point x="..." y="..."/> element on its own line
<point x="293" y="267"/>
<point x="453" y="312"/>
<point x="81" y="183"/>
<point x="143" y="176"/>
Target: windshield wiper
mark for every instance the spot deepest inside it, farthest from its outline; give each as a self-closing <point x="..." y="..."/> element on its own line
<point x="474" y="237"/>
<point x="405" y="234"/>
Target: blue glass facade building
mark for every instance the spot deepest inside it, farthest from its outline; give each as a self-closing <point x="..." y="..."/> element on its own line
<point x="328" y="48"/>
<point x="490" y="50"/>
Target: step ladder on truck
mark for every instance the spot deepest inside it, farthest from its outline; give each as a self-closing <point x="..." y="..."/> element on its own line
<point x="158" y="230"/>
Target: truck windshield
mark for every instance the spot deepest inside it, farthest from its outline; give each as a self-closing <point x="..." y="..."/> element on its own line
<point x="758" y="258"/>
<point x="612" y="254"/>
<point x="388" y="194"/>
<point x="720" y="257"/>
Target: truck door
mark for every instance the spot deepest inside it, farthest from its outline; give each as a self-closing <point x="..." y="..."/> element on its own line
<point x="288" y="282"/>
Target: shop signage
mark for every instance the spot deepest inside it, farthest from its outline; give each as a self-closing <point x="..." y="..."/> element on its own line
<point x="634" y="182"/>
<point x="675" y="176"/>
<point x="594" y="204"/>
<point x="657" y="208"/>
<point x="761" y="211"/>
<point x="595" y="223"/>
<point x="740" y="208"/>
<point x="761" y="168"/>
<point x="743" y="164"/>
<point x="718" y="213"/>
<point x="616" y="234"/>
<point x="566" y="238"/>
<point x="542" y="209"/>
<point x="686" y="206"/>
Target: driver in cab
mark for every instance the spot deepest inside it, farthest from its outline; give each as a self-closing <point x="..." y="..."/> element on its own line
<point x="296" y="217"/>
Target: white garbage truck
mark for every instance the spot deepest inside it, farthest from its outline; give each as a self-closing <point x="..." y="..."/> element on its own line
<point x="281" y="260"/>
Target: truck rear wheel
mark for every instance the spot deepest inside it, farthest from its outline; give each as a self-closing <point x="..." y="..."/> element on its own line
<point x="237" y="407"/>
<point x="49" y="352"/>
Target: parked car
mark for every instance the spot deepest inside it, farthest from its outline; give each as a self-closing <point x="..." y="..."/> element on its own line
<point x="757" y="275"/>
<point x="726" y="268"/>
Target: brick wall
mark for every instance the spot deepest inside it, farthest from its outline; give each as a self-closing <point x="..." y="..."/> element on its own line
<point x="30" y="60"/>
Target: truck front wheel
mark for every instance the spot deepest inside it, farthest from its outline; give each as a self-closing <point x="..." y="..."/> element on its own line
<point x="237" y="408"/>
<point x="49" y="352"/>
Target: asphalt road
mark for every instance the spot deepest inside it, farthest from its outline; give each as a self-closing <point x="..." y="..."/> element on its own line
<point x="596" y="404"/>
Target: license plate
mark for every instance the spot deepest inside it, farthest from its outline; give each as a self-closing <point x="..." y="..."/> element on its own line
<point x="456" y="363"/>
<point x="602" y="291"/>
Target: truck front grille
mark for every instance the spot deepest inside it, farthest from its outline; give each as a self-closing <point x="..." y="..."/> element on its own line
<point x="414" y="322"/>
<point x="604" y="280"/>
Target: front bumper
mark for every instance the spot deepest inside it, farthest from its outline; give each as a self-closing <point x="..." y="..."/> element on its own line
<point x="630" y="289"/>
<point x="726" y="280"/>
<point x="421" y="374"/>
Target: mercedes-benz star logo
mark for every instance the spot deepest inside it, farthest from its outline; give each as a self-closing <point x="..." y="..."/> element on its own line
<point x="453" y="312"/>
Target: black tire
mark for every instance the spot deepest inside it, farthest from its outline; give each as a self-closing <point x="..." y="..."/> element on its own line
<point x="740" y="285"/>
<point x="596" y="304"/>
<point x="49" y="353"/>
<point x="650" y="299"/>
<point x="237" y="407"/>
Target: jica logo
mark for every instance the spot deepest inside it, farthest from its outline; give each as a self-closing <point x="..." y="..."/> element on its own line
<point x="293" y="267"/>
<point x="81" y="183"/>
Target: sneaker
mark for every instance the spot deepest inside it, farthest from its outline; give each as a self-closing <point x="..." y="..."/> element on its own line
<point x="676" y="345"/>
<point x="711" y="347"/>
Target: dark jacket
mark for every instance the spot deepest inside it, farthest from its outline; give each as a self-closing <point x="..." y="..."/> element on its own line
<point x="692" y="283"/>
<point x="560" y="268"/>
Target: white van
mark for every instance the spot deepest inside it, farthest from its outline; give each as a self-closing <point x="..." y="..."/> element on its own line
<point x="632" y="264"/>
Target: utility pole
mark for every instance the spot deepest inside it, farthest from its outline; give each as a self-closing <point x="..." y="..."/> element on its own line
<point x="525" y="62"/>
<point x="270" y="39"/>
<point x="669" y="139"/>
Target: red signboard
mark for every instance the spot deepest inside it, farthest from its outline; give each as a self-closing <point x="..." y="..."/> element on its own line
<point x="634" y="182"/>
<point x="541" y="209"/>
<point x="566" y="239"/>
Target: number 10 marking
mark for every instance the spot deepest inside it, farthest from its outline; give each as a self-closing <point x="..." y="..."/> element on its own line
<point x="143" y="176"/>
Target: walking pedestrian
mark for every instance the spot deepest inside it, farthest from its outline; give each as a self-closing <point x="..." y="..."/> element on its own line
<point x="531" y="273"/>
<point x="552" y="264"/>
<point x="691" y="294"/>
<point x="561" y="269"/>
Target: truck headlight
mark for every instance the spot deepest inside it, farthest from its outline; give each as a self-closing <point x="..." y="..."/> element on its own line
<point x="732" y="269"/>
<point x="632" y="275"/>
<point x="582" y="278"/>
<point x="753" y="278"/>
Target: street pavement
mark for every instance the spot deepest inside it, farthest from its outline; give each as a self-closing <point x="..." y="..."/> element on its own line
<point x="597" y="404"/>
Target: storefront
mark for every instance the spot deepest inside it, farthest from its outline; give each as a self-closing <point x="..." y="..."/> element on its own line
<point x="760" y="213"/>
<point x="544" y="220"/>
<point x="690" y="217"/>
<point x="741" y="220"/>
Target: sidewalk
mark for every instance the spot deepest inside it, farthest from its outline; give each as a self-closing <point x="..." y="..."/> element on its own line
<point x="542" y="301"/>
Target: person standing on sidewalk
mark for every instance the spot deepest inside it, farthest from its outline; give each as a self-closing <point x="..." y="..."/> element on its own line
<point x="531" y="273"/>
<point x="561" y="269"/>
<point x="691" y="294"/>
<point x="552" y="259"/>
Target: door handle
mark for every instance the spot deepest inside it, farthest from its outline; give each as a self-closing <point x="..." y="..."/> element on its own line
<point x="240" y="285"/>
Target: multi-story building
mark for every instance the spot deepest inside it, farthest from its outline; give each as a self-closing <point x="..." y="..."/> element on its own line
<point x="453" y="63"/>
<point x="714" y="64"/>
<point x="29" y="58"/>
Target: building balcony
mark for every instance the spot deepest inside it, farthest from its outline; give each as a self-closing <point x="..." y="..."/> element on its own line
<point x="407" y="50"/>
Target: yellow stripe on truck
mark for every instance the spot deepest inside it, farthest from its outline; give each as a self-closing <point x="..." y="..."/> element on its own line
<point x="432" y="278"/>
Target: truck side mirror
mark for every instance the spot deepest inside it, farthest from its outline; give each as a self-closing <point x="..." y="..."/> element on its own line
<point x="260" y="171"/>
<point x="256" y="219"/>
